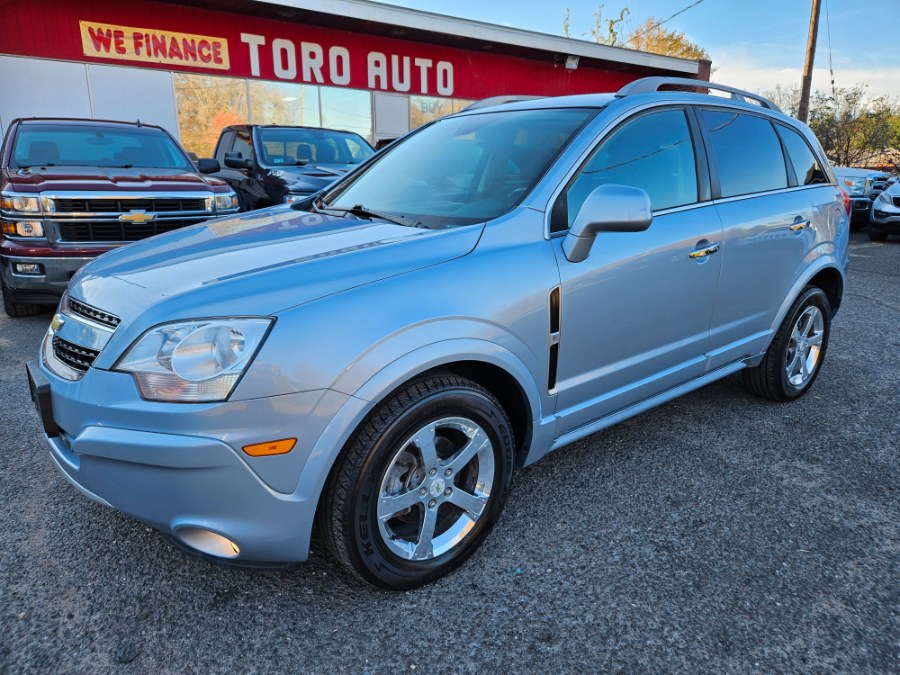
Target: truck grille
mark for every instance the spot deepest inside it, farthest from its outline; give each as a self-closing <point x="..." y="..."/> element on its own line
<point x="150" y="205"/>
<point x="93" y="313"/>
<point x="78" y="358"/>
<point x="114" y="230"/>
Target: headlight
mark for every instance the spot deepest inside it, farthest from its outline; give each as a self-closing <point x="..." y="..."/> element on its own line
<point x="226" y="202"/>
<point x="856" y="186"/>
<point x="194" y="361"/>
<point x="21" y="203"/>
<point x="22" y="228"/>
<point x="883" y="197"/>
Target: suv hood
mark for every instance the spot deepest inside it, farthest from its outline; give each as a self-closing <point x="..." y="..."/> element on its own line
<point x="258" y="264"/>
<point x="105" y="178"/>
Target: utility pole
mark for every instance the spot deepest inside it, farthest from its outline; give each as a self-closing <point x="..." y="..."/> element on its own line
<point x="803" y="112"/>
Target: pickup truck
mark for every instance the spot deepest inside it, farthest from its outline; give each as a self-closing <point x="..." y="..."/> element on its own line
<point x="72" y="189"/>
<point x="863" y="186"/>
<point x="270" y="164"/>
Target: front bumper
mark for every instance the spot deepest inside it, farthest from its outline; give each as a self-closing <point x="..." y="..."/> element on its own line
<point x="180" y="467"/>
<point x="57" y="268"/>
<point x="885" y="218"/>
<point x="859" y="207"/>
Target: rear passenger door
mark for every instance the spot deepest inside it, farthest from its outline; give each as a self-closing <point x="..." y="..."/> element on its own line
<point x="767" y="226"/>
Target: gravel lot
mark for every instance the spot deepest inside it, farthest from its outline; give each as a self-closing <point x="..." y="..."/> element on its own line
<point x="716" y="533"/>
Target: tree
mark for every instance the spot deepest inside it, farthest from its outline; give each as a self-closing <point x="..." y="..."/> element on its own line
<point x="852" y="129"/>
<point x="649" y="36"/>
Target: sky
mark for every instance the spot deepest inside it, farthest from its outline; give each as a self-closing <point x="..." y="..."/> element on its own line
<point x="753" y="44"/>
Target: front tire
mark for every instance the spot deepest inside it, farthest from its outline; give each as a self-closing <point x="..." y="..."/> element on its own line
<point x="421" y="484"/>
<point x="877" y="235"/>
<point x="17" y="310"/>
<point x="794" y="358"/>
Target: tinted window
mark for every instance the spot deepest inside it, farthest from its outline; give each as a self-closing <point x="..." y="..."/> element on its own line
<point x="285" y="146"/>
<point x="243" y="144"/>
<point x="747" y="152"/>
<point x="463" y="170"/>
<point x="653" y="152"/>
<point x="806" y="167"/>
<point x="224" y="146"/>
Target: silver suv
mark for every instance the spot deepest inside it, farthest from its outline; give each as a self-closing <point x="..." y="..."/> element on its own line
<point x="497" y="285"/>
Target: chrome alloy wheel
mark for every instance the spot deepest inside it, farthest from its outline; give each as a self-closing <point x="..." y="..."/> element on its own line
<point x="805" y="346"/>
<point x="436" y="488"/>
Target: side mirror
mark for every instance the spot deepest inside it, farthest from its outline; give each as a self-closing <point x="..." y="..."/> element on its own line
<point x="234" y="160"/>
<point x="608" y="208"/>
<point x="208" y="165"/>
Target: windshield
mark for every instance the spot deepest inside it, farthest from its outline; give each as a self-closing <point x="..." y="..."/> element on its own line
<point x="463" y="170"/>
<point x="297" y="147"/>
<point x="82" y="145"/>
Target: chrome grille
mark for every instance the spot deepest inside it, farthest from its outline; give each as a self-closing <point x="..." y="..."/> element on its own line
<point x="93" y="313"/>
<point x="150" y="205"/>
<point x="115" y="230"/>
<point x="78" y="358"/>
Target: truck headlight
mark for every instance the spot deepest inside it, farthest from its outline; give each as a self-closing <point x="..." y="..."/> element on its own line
<point x="856" y="186"/>
<point x="10" y="201"/>
<point x="22" y="228"/>
<point x="292" y="197"/>
<point x="226" y="202"/>
<point x="194" y="361"/>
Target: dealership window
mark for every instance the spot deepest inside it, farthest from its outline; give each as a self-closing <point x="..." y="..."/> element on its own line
<point x="347" y="109"/>
<point x="423" y="109"/>
<point x="284" y="103"/>
<point x="206" y="104"/>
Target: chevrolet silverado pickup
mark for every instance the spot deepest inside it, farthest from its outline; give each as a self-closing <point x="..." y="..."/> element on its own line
<point x="73" y="189"/>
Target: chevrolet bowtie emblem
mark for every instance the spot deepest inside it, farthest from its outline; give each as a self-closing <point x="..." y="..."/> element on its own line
<point x="138" y="217"/>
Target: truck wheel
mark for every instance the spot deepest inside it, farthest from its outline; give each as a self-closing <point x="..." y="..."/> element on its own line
<point x="421" y="484"/>
<point x="877" y="235"/>
<point x="14" y="309"/>
<point x="795" y="356"/>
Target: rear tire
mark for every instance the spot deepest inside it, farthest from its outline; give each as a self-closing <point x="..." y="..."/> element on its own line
<point x="421" y="484"/>
<point x="794" y="358"/>
<point x="17" y="310"/>
<point x="877" y="235"/>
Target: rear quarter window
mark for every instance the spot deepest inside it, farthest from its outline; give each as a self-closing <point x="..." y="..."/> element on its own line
<point x="806" y="167"/>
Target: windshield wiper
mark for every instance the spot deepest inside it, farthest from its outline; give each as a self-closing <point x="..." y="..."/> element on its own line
<point x="362" y="212"/>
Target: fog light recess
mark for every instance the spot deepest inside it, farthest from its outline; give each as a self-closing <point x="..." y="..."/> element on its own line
<point x="208" y="542"/>
<point x="28" y="268"/>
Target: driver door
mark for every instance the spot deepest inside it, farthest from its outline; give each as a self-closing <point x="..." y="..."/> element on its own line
<point x="635" y="315"/>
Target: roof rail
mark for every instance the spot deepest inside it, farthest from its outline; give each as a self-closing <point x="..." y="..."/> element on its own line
<point x="648" y="85"/>
<point x="499" y="100"/>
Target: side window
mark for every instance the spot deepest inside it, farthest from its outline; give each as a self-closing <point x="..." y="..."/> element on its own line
<point x="243" y="144"/>
<point x="747" y="152"/>
<point x="653" y="152"/>
<point x="224" y="146"/>
<point x="806" y="166"/>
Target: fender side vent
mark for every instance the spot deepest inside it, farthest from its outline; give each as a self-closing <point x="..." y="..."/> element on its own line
<point x="554" y="339"/>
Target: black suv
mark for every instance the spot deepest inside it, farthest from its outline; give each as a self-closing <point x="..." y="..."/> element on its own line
<point x="269" y="164"/>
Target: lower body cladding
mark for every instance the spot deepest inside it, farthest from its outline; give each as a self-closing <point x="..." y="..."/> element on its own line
<point x="193" y="482"/>
<point x="38" y="279"/>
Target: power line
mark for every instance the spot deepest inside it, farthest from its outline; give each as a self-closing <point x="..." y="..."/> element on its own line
<point x="830" y="64"/>
<point x="660" y="23"/>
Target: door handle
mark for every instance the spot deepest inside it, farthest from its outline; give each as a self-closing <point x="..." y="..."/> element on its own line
<point x="798" y="224"/>
<point x="709" y="249"/>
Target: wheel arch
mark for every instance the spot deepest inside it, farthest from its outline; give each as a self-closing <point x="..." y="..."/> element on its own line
<point x="496" y="369"/>
<point x="826" y="275"/>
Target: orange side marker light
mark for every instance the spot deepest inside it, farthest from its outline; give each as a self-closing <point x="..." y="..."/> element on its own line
<point x="281" y="447"/>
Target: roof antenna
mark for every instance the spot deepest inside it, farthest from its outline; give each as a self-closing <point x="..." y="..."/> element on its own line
<point x="139" y="121"/>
